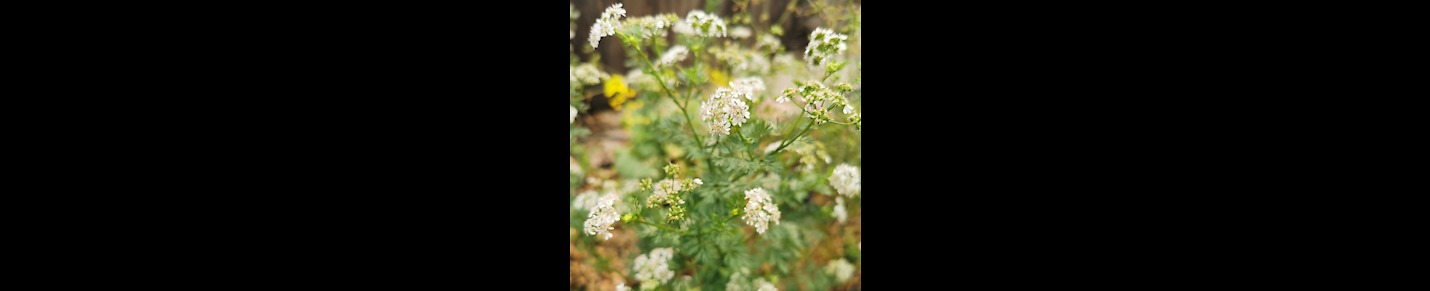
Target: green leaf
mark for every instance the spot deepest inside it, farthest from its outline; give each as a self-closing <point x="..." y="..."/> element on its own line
<point x="755" y="130"/>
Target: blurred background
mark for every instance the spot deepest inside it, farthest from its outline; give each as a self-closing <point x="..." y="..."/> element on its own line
<point x="795" y="19"/>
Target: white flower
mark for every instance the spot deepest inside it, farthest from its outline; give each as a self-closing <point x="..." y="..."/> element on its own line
<point x="616" y="11"/>
<point x="648" y="26"/>
<point x="759" y="210"/>
<point x="824" y="44"/>
<point x="846" y="180"/>
<point x="674" y="55"/>
<point x="702" y="24"/>
<point x="740" y="32"/>
<point x="748" y="87"/>
<point x="841" y="269"/>
<point x="698" y="182"/>
<point x="839" y="212"/>
<point x="723" y="110"/>
<point x="603" y="214"/>
<point x="606" y="25"/>
<point x="848" y="109"/>
<point x="573" y="114"/>
<point x="763" y="285"/>
<point x="587" y="74"/>
<point x="652" y="269"/>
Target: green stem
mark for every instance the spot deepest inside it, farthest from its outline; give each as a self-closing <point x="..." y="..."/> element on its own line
<point x="667" y="228"/>
<point x="689" y="124"/>
<point x="791" y="140"/>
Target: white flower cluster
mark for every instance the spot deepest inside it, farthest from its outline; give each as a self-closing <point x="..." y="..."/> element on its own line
<point x="760" y="210"/>
<point x="841" y="269"/>
<point x="652" y="269"/>
<point x="824" y="44"/>
<point x="818" y="99"/>
<point x="603" y="214"/>
<point x="606" y="25"/>
<point x="648" y="26"/>
<point x="674" y="55"/>
<point x="697" y="22"/>
<point x="723" y="110"/>
<point x="573" y="114"/>
<point x="839" y="212"/>
<point x="846" y="180"/>
<point x="586" y="74"/>
<point x="748" y="87"/>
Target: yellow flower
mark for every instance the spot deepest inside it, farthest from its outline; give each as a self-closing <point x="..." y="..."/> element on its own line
<point x="617" y="92"/>
<point x="719" y="78"/>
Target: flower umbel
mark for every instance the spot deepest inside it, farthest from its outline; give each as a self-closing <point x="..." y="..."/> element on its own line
<point x="603" y="214"/>
<point x="606" y="25"/>
<point x="845" y="179"/>
<point x="824" y="44"/>
<point x="586" y="74"/>
<point x="702" y="24"/>
<point x="759" y="210"/>
<point x="723" y="110"/>
<point x="652" y="269"/>
<point x="648" y="26"/>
